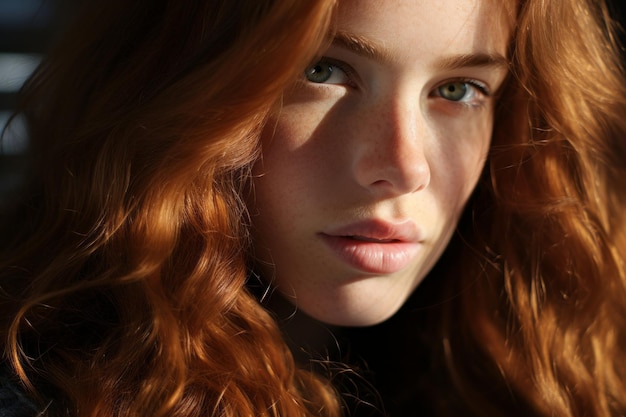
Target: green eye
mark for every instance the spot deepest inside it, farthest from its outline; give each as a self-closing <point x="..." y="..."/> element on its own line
<point x="319" y="73"/>
<point x="328" y="71"/>
<point x="454" y="91"/>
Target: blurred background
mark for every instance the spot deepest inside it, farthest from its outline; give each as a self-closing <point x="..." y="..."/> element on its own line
<point x="27" y="29"/>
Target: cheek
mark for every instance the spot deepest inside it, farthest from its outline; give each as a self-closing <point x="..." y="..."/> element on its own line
<point x="473" y="166"/>
<point x="300" y="152"/>
<point x="287" y="141"/>
<point x="465" y="161"/>
<point x="285" y="175"/>
<point x="282" y="143"/>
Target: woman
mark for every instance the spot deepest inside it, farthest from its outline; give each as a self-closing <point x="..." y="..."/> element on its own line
<point x="174" y="157"/>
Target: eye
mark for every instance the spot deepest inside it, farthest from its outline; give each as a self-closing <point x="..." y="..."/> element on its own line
<point x="453" y="91"/>
<point x="462" y="91"/>
<point x="326" y="71"/>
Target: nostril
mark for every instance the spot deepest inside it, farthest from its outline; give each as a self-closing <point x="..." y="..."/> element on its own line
<point x="403" y="180"/>
<point x="393" y="161"/>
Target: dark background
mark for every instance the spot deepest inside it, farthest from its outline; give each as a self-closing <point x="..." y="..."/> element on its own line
<point x="27" y="29"/>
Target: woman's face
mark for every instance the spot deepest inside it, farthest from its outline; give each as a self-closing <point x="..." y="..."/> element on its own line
<point x="368" y="165"/>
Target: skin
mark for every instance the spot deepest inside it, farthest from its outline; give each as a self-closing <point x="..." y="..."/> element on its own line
<point x="366" y="170"/>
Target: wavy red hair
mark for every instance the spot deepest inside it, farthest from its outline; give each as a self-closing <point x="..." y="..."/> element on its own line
<point x="123" y="284"/>
<point x="547" y="313"/>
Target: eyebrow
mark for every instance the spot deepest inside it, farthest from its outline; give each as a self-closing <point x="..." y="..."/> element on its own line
<point x="365" y="47"/>
<point x="480" y="59"/>
<point x="362" y="46"/>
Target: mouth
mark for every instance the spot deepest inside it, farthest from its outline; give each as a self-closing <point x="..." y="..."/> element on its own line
<point x="370" y="239"/>
<point x="375" y="246"/>
<point x="378" y="231"/>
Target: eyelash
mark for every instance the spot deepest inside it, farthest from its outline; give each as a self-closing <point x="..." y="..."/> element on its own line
<point x="480" y="86"/>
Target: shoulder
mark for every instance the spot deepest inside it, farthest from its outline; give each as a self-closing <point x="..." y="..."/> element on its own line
<point x="14" y="402"/>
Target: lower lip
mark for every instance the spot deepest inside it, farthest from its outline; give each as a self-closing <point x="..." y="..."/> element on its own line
<point x="373" y="257"/>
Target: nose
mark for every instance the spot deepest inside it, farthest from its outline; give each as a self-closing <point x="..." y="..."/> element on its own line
<point x="390" y="157"/>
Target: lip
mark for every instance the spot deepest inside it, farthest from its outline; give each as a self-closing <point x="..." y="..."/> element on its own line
<point x="375" y="246"/>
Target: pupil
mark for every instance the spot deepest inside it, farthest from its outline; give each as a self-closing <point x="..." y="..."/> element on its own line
<point x="453" y="91"/>
<point x="319" y="73"/>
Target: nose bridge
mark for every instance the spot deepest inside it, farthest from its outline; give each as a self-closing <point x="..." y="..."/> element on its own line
<point x="394" y="159"/>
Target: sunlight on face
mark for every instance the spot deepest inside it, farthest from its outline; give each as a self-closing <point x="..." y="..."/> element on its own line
<point x="367" y="168"/>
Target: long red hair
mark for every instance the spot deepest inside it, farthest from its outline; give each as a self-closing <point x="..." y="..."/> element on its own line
<point x="544" y="304"/>
<point x="123" y="282"/>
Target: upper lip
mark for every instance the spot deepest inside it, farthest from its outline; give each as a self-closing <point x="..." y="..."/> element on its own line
<point x="377" y="229"/>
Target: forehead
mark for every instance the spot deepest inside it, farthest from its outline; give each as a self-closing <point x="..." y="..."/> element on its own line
<point x="423" y="26"/>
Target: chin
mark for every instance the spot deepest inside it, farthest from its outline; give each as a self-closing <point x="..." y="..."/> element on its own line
<point x="352" y="315"/>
